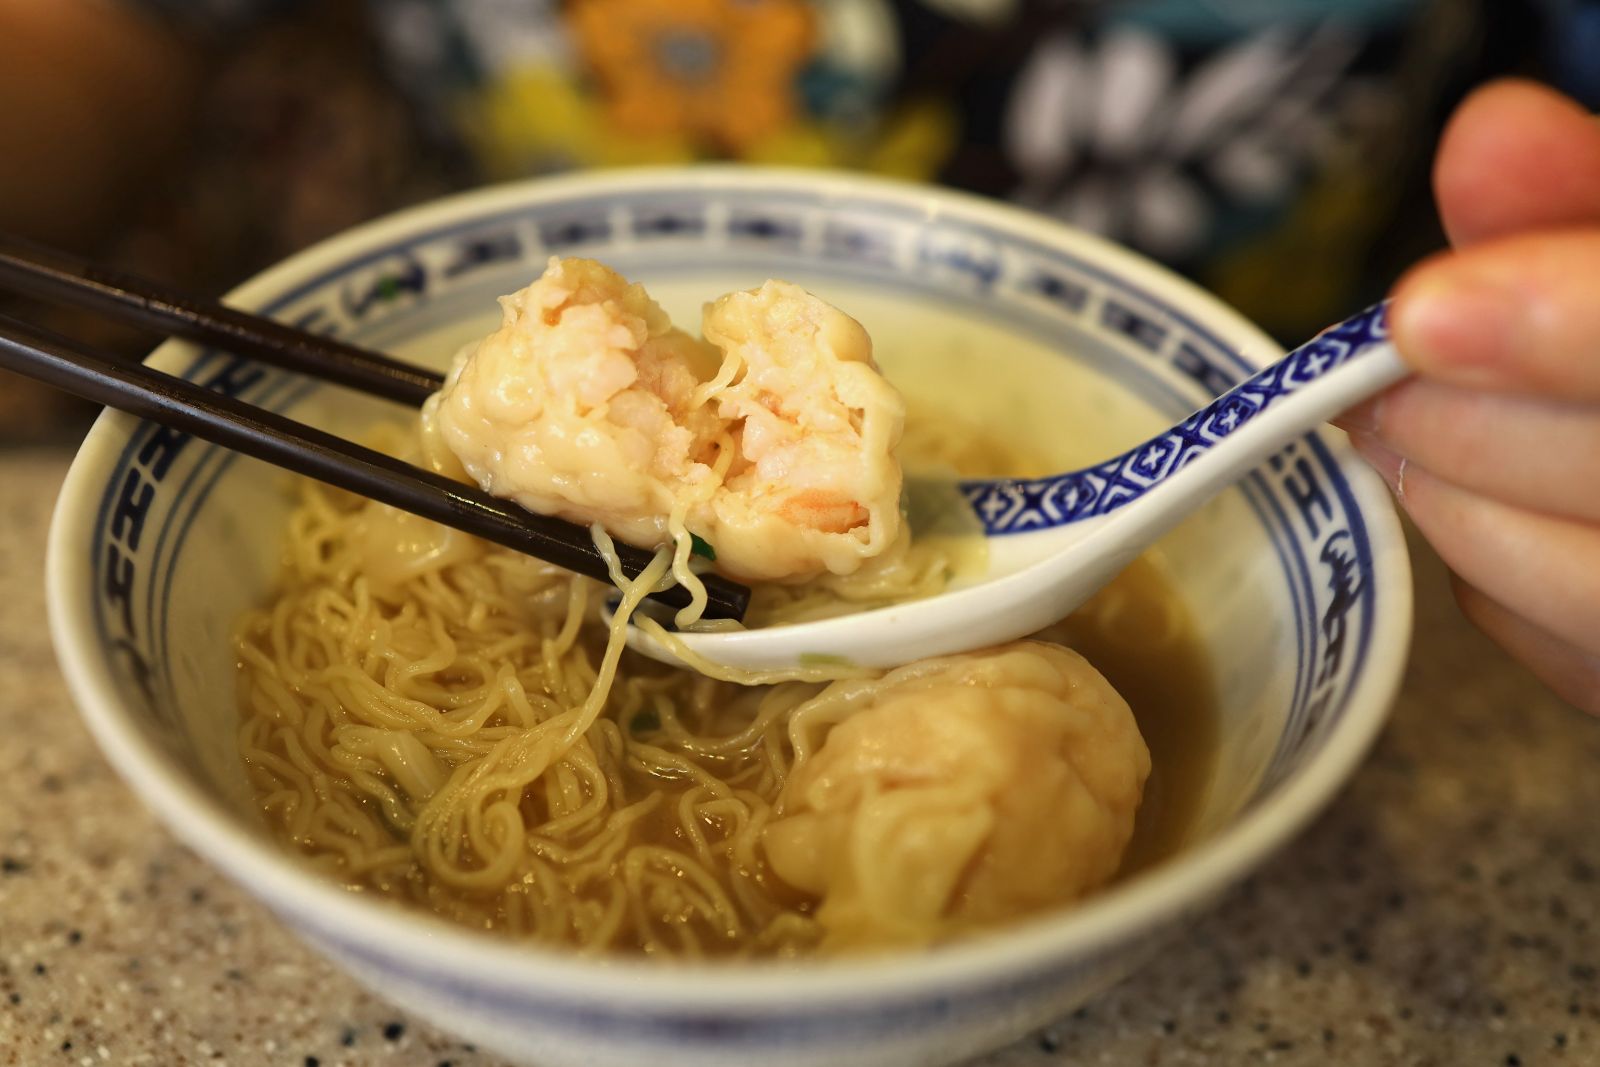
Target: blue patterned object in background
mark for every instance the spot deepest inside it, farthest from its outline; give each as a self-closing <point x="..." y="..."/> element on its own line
<point x="1230" y="139"/>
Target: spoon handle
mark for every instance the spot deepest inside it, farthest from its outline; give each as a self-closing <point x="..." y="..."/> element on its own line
<point x="1216" y="445"/>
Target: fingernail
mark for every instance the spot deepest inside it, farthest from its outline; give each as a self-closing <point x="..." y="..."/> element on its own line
<point x="1363" y="418"/>
<point x="1460" y="327"/>
<point x="1390" y="465"/>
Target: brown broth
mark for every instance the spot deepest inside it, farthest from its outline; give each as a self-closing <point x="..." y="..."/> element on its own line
<point x="1140" y="635"/>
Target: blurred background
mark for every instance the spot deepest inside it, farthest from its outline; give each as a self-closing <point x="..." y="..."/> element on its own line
<point x="1276" y="151"/>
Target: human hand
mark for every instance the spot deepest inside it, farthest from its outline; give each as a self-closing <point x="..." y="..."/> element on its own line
<point x="1494" y="447"/>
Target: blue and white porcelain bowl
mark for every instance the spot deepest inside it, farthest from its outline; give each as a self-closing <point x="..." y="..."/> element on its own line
<point x="1298" y="578"/>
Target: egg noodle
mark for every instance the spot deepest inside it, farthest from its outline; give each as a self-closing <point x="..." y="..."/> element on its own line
<point x="439" y="720"/>
<point x="465" y="743"/>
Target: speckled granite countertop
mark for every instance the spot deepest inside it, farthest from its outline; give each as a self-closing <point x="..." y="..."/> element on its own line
<point x="1445" y="911"/>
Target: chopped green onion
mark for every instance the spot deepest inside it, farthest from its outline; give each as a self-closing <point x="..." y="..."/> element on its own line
<point x="699" y="546"/>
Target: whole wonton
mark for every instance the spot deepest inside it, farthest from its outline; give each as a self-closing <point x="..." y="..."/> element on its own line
<point x="956" y="793"/>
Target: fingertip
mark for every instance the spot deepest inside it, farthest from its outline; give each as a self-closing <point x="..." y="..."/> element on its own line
<point x="1502" y="99"/>
<point x="1449" y="322"/>
<point x="1516" y="155"/>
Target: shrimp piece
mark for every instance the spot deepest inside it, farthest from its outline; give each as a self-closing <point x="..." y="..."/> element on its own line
<point x="815" y="487"/>
<point x="579" y="405"/>
<point x="822" y="510"/>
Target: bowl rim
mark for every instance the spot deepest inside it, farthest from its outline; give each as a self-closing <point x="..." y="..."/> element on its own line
<point x="1155" y="899"/>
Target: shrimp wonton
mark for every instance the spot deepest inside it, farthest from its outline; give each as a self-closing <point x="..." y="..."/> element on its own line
<point x="772" y="440"/>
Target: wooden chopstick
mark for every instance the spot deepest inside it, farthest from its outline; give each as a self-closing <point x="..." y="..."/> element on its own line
<point x="224" y="420"/>
<point x="52" y="275"/>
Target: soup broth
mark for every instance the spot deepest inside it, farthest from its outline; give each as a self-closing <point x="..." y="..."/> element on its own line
<point x="1141" y="637"/>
